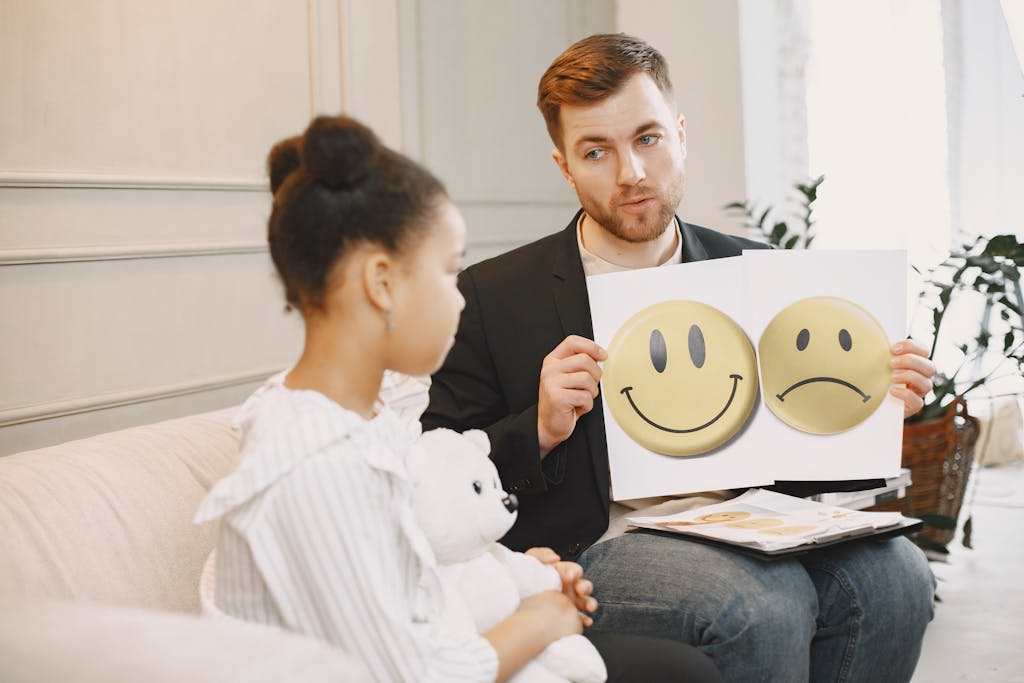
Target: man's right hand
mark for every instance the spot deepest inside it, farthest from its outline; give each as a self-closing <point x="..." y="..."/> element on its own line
<point x="568" y="387"/>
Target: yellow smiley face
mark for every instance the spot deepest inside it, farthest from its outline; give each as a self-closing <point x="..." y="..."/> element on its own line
<point x="824" y="365"/>
<point x="724" y="516"/>
<point x="681" y="378"/>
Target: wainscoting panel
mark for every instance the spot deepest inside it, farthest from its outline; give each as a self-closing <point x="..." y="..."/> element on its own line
<point x="180" y="89"/>
<point x="470" y="73"/>
<point x="40" y="218"/>
<point x="135" y="284"/>
<point x="77" y="330"/>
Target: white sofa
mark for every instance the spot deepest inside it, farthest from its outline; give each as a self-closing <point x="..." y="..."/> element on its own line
<point x="100" y="563"/>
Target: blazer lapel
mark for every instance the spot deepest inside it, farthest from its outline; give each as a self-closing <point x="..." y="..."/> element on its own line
<point x="569" y="289"/>
<point x="693" y="249"/>
<point x="570" y="286"/>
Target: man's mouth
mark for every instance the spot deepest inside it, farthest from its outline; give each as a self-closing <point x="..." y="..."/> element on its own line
<point x="638" y="204"/>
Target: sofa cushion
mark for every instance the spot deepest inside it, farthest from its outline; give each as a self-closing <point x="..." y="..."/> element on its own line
<point x="44" y="642"/>
<point x="109" y="518"/>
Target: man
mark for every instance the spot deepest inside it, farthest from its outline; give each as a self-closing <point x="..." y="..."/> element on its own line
<point x="524" y="369"/>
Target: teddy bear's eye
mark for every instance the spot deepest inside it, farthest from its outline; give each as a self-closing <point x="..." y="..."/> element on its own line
<point x="478" y="487"/>
<point x="495" y="483"/>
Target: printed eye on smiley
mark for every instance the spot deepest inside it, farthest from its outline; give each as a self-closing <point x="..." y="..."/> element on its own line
<point x="680" y="378"/>
<point x="824" y="364"/>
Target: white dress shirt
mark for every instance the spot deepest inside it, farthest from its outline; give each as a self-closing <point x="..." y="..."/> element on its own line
<point x="318" y="536"/>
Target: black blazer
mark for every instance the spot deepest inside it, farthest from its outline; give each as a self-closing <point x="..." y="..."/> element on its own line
<point x="519" y="307"/>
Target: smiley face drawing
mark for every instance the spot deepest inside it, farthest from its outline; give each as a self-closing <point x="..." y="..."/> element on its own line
<point x="824" y="365"/>
<point x="681" y="378"/>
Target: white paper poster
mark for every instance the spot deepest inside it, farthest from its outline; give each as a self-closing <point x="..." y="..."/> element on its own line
<point x="684" y="386"/>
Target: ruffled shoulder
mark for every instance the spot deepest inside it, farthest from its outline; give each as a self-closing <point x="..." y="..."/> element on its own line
<point x="283" y="427"/>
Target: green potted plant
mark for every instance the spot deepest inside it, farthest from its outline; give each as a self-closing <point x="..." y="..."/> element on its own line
<point x="938" y="442"/>
<point x="775" y="229"/>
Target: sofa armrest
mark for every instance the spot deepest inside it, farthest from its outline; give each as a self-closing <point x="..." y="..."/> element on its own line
<point x="62" y="641"/>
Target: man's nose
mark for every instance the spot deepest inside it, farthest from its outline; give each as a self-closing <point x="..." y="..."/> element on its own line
<point x="631" y="170"/>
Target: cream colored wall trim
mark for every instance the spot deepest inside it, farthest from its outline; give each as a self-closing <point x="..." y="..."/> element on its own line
<point x="328" y="86"/>
<point x="54" y="409"/>
<point x="21" y="257"/>
<point x="344" y="58"/>
<point x="126" y="182"/>
<point x="410" y="79"/>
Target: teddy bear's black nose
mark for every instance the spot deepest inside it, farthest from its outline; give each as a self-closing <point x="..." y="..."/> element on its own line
<point x="511" y="502"/>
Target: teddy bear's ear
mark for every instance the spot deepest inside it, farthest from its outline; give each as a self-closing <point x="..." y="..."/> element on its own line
<point x="479" y="439"/>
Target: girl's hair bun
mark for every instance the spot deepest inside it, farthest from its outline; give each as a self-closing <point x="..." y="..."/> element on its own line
<point x="284" y="159"/>
<point x="338" y="151"/>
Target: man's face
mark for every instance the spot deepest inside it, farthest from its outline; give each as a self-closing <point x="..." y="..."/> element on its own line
<point x="624" y="157"/>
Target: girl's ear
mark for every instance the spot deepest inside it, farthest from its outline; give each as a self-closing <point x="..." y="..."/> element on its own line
<point x="379" y="272"/>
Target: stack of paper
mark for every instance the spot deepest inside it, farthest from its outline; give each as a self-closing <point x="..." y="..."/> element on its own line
<point x="767" y="521"/>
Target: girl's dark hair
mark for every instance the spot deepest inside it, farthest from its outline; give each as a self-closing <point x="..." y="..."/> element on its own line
<point x="334" y="186"/>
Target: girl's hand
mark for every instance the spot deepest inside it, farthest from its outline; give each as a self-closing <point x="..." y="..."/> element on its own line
<point x="574" y="586"/>
<point x="555" y="612"/>
<point x="543" y="555"/>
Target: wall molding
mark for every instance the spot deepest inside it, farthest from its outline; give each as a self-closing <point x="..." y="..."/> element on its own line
<point x="116" y="399"/>
<point x="75" y="254"/>
<point x="101" y="181"/>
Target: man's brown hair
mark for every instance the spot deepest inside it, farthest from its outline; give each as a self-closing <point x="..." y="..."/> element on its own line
<point x="595" y="68"/>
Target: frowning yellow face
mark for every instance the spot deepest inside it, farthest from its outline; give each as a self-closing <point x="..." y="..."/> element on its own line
<point x="681" y="378"/>
<point x="824" y="365"/>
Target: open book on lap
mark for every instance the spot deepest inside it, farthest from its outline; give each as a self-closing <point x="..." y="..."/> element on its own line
<point x="776" y="524"/>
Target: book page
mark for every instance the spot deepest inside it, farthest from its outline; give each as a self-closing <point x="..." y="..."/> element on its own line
<point x="770" y="521"/>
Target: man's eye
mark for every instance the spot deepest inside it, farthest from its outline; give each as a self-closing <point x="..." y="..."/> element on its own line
<point x="594" y="154"/>
<point x="648" y="139"/>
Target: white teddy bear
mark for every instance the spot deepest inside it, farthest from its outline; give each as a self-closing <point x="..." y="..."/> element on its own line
<point x="462" y="509"/>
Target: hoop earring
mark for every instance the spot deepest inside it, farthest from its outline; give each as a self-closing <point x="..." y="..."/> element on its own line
<point x="388" y="324"/>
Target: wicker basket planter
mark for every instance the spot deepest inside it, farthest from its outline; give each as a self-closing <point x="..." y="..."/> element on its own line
<point x="939" y="453"/>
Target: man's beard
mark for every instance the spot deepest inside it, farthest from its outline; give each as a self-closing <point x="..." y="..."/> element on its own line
<point x="640" y="228"/>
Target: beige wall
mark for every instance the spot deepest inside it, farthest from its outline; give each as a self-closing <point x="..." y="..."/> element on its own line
<point x="134" y="280"/>
<point x="701" y="42"/>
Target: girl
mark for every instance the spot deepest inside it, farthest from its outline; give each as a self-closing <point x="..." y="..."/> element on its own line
<point x="317" y="533"/>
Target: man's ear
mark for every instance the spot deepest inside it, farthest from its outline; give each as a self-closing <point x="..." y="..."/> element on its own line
<point x="378" y="279"/>
<point x="682" y="133"/>
<point x="563" y="166"/>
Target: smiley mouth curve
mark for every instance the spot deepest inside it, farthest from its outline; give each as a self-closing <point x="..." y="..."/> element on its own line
<point x="782" y="397"/>
<point x="735" y="382"/>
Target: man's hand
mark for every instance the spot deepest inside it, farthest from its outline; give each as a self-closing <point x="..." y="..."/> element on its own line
<point x="912" y="373"/>
<point x="574" y="586"/>
<point x="568" y="387"/>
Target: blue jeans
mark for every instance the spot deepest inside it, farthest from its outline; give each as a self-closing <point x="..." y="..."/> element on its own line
<point x="853" y="612"/>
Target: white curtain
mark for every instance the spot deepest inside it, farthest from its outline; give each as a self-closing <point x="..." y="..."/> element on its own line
<point x="877" y="126"/>
<point x="986" y="117"/>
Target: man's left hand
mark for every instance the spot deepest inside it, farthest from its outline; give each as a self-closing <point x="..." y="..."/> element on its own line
<point x="912" y="373"/>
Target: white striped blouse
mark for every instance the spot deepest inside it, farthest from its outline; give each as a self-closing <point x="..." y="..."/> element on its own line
<point x="318" y="536"/>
